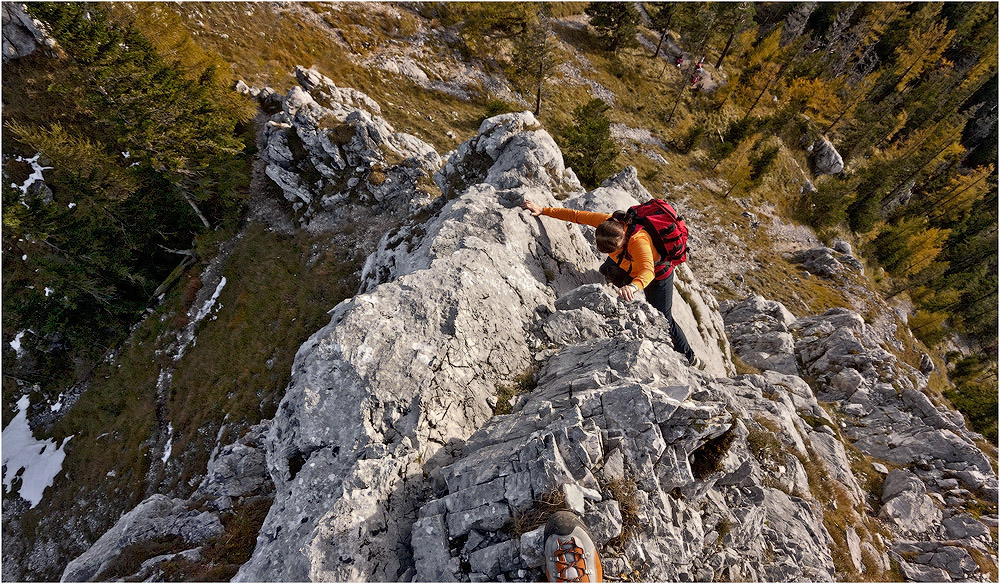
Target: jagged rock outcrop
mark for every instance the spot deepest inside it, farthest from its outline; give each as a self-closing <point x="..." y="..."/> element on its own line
<point x="236" y="473"/>
<point x="630" y="439"/>
<point x="325" y="145"/>
<point x="408" y="370"/>
<point x="825" y="158"/>
<point x="21" y="35"/>
<point x="883" y="412"/>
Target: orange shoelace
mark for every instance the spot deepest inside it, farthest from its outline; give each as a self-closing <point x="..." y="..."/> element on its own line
<point x="570" y="562"/>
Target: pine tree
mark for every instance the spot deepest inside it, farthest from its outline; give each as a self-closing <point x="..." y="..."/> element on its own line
<point x="587" y="145"/>
<point x="925" y="43"/>
<point x="734" y="17"/>
<point x="144" y="151"/>
<point x="660" y="16"/>
<point x="616" y="23"/>
<point x="535" y="56"/>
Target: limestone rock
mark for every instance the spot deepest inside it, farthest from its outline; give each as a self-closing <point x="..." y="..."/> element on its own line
<point x="21" y="35"/>
<point x="965" y="527"/>
<point x="237" y="473"/>
<point x="911" y="512"/>
<point x="826" y="159"/>
<point x="827" y="263"/>
<point x="239" y="469"/>
<point x="154" y="518"/>
<point x="348" y="152"/>
<point x="758" y="330"/>
<point x="900" y="481"/>
<point x="841" y="246"/>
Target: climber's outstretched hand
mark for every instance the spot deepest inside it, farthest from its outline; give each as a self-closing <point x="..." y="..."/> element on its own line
<point x="627" y="292"/>
<point x="535" y="208"/>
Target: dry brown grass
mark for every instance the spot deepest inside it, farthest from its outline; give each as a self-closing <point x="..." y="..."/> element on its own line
<point x="523" y="522"/>
<point x="624" y="491"/>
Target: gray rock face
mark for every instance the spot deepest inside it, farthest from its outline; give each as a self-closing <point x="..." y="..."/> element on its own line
<point x="826" y="159"/>
<point x="407" y="371"/>
<point x="827" y="263"/>
<point x="325" y="145"/>
<point x="21" y="36"/>
<point x="154" y="518"/>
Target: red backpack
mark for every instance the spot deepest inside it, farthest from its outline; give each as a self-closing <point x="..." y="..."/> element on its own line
<point x="665" y="228"/>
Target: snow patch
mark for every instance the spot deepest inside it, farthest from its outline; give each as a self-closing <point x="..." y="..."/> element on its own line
<point x="187" y="336"/>
<point x="16" y="343"/>
<point x="207" y="308"/>
<point x="36" y="174"/>
<point x="166" y="451"/>
<point x="34" y="462"/>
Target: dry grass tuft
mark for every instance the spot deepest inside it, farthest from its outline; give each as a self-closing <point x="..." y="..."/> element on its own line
<point x="523" y="522"/>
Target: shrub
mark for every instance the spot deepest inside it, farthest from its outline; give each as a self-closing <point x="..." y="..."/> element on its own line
<point x="587" y="145"/>
<point x="496" y="106"/>
<point x="691" y="140"/>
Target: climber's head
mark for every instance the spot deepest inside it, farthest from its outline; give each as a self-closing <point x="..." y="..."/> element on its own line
<point x="611" y="233"/>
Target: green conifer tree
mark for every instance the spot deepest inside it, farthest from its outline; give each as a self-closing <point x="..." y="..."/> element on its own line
<point x="616" y="23"/>
<point x="587" y="145"/>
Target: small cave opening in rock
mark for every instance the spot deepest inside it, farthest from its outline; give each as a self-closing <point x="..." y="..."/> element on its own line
<point x="295" y="463"/>
<point x="708" y="458"/>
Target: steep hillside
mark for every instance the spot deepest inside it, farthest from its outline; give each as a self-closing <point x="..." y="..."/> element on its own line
<point x="388" y="371"/>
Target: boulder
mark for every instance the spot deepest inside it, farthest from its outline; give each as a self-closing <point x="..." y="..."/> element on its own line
<point x="841" y="246"/>
<point x="911" y="512"/>
<point x="758" y="332"/>
<point x="827" y="263"/>
<point x="21" y="34"/>
<point x="239" y="469"/>
<point x="825" y="158"/>
<point x="926" y="364"/>
<point x="900" y="481"/>
<point x="157" y="517"/>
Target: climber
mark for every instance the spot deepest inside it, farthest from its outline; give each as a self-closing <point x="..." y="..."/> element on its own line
<point x="636" y="251"/>
<point x="570" y="553"/>
<point x="680" y="61"/>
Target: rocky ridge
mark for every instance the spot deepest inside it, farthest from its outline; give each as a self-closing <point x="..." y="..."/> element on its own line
<point x="387" y="459"/>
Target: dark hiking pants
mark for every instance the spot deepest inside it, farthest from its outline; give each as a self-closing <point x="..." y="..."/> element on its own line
<point x="660" y="293"/>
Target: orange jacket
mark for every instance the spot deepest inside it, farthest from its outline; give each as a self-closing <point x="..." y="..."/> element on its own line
<point x="640" y="246"/>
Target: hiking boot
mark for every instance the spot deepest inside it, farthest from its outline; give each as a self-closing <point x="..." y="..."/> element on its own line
<point x="570" y="554"/>
<point x="697" y="363"/>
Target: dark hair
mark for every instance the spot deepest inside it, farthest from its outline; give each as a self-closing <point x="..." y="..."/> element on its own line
<point x="610" y="233"/>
